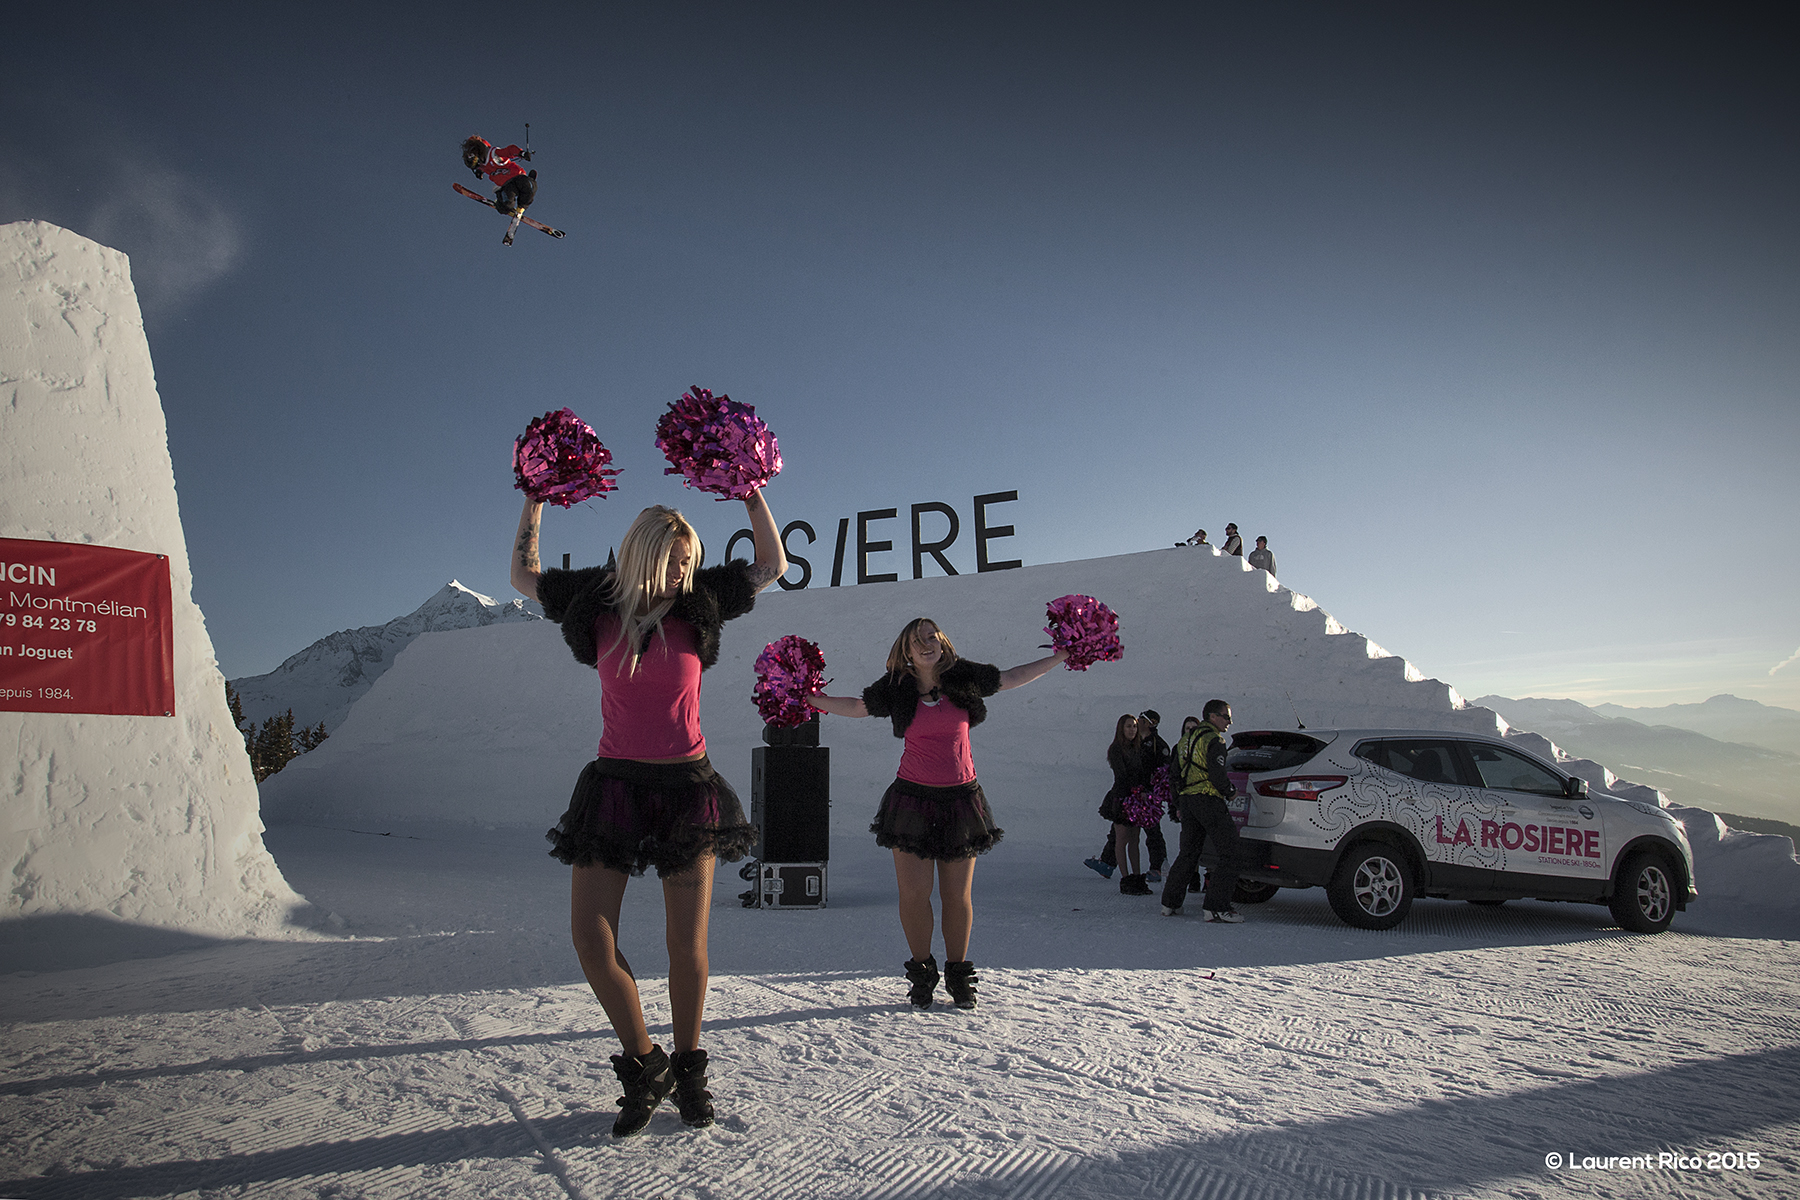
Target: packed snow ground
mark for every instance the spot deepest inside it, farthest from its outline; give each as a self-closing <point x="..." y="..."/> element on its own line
<point x="445" y="1045"/>
<point x="435" y="1037"/>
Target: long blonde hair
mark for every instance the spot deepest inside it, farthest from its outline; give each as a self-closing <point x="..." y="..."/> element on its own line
<point x="643" y="566"/>
<point x="899" y="659"/>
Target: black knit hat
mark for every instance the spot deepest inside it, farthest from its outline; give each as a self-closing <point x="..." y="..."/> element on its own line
<point x="1152" y="716"/>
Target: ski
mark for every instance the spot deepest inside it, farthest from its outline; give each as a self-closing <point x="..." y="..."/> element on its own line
<point x="520" y="217"/>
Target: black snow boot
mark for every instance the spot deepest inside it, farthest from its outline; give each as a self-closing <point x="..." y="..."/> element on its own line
<point x="690" y="1088"/>
<point x="924" y="979"/>
<point x="646" y="1079"/>
<point x="1133" y="885"/>
<point x="959" y="981"/>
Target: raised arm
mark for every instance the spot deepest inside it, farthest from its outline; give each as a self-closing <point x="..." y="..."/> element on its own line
<point x="1021" y="675"/>
<point x="525" y="566"/>
<point x="771" y="560"/>
<point x="843" y="706"/>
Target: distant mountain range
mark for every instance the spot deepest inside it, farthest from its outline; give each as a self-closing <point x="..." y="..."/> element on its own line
<point x="1726" y="718"/>
<point x="1698" y="754"/>
<point x="321" y="682"/>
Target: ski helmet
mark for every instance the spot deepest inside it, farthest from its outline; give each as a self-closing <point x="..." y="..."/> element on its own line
<point x="475" y="152"/>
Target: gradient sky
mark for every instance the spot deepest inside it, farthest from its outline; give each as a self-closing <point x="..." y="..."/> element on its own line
<point x="1488" y="316"/>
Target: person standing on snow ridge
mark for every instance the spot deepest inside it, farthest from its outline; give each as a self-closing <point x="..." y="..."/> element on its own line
<point x="1261" y="556"/>
<point x="515" y="187"/>
<point x="1203" y="791"/>
<point x="1233" y="543"/>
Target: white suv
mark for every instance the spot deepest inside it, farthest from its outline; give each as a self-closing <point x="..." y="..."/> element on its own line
<point x="1378" y="816"/>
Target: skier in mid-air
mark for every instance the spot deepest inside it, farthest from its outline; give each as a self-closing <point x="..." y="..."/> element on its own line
<point x="514" y="187"/>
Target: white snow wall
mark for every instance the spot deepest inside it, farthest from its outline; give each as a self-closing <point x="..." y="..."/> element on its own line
<point x="491" y="725"/>
<point x="152" y="820"/>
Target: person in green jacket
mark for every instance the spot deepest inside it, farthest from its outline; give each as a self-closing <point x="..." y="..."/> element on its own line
<point x="1203" y="790"/>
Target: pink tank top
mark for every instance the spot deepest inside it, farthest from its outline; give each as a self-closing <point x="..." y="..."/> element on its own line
<point x="653" y="712"/>
<point x="937" y="746"/>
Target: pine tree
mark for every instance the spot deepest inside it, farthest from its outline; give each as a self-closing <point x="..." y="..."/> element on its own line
<point x="236" y="704"/>
<point x="274" y="746"/>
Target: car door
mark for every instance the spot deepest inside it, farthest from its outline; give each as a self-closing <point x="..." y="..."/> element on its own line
<point x="1443" y="807"/>
<point x="1550" y="843"/>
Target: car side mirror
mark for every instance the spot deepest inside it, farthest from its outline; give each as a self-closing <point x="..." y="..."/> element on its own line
<point x="1575" y="788"/>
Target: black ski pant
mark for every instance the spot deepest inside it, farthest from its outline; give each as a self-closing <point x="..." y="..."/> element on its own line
<point x="516" y="193"/>
<point x="1204" y="816"/>
<point x="1153" y="841"/>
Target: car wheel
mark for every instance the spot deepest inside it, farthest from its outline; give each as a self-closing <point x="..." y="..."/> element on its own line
<point x="1249" y="892"/>
<point x="1373" y="887"/>
<point x="1643" y="898"/>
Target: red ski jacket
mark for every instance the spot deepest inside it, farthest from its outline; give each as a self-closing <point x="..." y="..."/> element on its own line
<point x="501" y="165"/>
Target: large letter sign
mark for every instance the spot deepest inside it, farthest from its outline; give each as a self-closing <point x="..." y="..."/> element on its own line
<point x="85" y="629"/>
<point x="921" y="549"/>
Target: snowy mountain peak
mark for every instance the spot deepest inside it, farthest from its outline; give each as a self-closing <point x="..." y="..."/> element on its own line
<point x="454" y="606"/>
<point x="321" y="682"/>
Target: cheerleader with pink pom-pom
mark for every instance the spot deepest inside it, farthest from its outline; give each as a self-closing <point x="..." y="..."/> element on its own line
<point x="650" y="798"/>
<point x="934" y="816"/>
<point x="1131" y="768"/>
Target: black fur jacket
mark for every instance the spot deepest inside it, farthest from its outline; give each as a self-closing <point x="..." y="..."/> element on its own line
<point x="576" y="599"/>
<point x="964" y="685"/>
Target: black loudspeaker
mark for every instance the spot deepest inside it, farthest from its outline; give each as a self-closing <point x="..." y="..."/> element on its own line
<point x="804" y="734"/>
<point x="790" y="803"/>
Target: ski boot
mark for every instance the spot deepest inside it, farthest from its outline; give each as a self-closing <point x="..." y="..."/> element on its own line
<point x="690" y="1088"/>
<point x="924" y="979"/>
<point x="646" y="1079"/>
<point x="1100" y="868"/>
<point x="959" y="981"/>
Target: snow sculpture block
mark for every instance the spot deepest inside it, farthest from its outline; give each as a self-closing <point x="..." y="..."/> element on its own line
<point x="152" y="820"/>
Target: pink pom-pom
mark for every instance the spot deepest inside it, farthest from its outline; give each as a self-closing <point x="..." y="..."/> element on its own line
<point x="788" y="671"/>
<point x="1144" y="806"/>
<point x="559" y="460"/>
<point x="721" y="446"/>
<point x="1086" y="628"/>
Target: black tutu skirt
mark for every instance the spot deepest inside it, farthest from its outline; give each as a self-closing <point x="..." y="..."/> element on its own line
<point x="1113" y="808"/>
<point x="632" y="815"/>
<point x="942" y="823"/>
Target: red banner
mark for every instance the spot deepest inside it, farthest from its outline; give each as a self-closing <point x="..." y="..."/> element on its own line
<point x="85" y="629"/>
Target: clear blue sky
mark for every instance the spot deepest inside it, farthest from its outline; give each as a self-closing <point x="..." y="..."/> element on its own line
<point x="1488" y="316"/>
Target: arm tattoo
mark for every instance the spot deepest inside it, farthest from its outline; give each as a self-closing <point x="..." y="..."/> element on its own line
<point x="762" y="575"/>
<point x="528" y="549"/>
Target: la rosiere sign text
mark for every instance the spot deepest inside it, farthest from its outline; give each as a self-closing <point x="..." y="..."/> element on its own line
<point x="873" y="536"/>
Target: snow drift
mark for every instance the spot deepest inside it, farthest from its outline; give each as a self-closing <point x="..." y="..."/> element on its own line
<point x="151" y="820"/>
